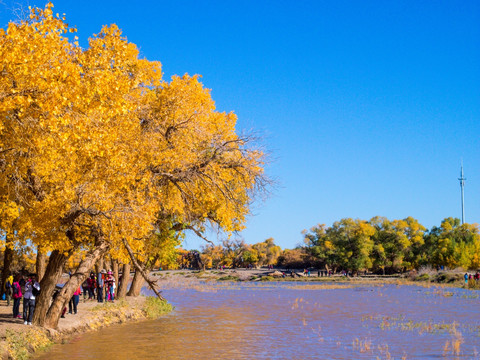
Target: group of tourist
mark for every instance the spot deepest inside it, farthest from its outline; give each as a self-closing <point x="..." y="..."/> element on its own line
<point x="468" y="276"/>
<point x="101" y="286"/>
<point x="18" y="288"/>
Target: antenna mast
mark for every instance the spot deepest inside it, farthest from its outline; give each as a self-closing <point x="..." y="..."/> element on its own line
<point x="462" y="185"/>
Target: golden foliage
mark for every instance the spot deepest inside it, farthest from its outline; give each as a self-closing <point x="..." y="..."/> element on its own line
<point x="94" y="145"/>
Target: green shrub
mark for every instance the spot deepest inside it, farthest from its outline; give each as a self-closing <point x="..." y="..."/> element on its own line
<point x="473" y="284"/>
<point x="448" y="278"/>
<point x="267" y="278"/>
<point x="155" y="307"/>
<point x="228" y="278"/>
<point x="423" y="277"/>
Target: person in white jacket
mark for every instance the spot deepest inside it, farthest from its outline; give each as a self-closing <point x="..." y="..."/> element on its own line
<point x="32" y="289"/>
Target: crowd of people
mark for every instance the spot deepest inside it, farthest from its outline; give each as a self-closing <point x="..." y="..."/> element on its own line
<point x="100" y="287"/>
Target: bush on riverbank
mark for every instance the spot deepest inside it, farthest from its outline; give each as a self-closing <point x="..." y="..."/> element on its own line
<point x="422" y="277"/>
<point x="473" y="284"/>
<point x="451" y="278"/>
<point x="155" y="307"/>
<point x="228" y="278"/>
<point x="19" y="345"/>
<point x="447" y="278"/>
<point x="267" y="278"/>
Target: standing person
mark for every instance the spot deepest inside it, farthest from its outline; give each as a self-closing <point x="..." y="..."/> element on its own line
<point x="8" y="289"/>
<point x="110" y="283"/>
<point x="91" y="286"/>
<point x="73" y="303"/>
<point x="85" y="289"/>
<point x="100" y="285"/>
<point x="32" y="289"/>
<point x="17" y="296"/>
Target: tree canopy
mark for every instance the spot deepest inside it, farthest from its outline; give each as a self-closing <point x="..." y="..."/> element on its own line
<point x="98" y="153"/>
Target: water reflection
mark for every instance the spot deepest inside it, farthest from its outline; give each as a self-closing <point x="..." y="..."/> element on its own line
<point x="292" y="321"/>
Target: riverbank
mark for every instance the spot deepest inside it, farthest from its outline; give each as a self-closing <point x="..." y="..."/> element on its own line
<point x="19" y="341"/>
<point x="423" y="278"/>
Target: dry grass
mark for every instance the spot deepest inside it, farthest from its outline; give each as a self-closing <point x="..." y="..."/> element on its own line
<point x="453" y="345"/>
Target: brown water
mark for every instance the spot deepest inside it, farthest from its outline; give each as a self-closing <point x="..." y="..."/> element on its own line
<point x="295" y="321"/>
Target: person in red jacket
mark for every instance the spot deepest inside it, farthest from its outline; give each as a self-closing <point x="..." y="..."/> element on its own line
<point x="17" y="296"/>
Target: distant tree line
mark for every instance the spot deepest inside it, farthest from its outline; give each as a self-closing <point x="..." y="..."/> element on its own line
<point x="378" y="245"/>
<point x="231" y="254"/>
<point x="386" y="246"/>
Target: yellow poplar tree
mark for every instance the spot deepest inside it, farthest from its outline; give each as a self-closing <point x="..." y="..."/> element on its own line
<point x="96" y="149"/>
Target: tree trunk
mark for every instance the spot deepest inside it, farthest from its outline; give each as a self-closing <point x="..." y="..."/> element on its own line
<point x="141" y="270"/>
<point x="123" y="286"/>
<point x="137" y="284"/>
<point x="75" y="281"/>
<point x="7" y="262"/>
<point x="115" y="270"/>
<point x="107" y="263"/>
<point x="52" y="274"/>
<point x="99" y="265"/>
<point x="41" y="263"/>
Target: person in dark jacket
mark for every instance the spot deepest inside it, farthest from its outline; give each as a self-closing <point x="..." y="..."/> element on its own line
<point x="100" y="285"/>
<point x="92" y="283"/>
<point x="32" y="288"/>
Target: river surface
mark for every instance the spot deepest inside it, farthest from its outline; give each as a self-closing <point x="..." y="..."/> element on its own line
<point x="295" y="321"/>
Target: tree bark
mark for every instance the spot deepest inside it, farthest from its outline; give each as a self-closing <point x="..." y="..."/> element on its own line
<point x="52" y="274"/>
<point x="123" y="286"/>
<point x="41" y="263"/>
<point x="7" y="262"/>
<point x="107" y="263"/>
<point x="115" y="270"/>
<point x="75" y="281"/>
<point x="137" y="284"/>
<point x="99" y="265"/>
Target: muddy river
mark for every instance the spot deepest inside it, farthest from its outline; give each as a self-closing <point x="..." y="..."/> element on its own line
<point x="295" y="321"/>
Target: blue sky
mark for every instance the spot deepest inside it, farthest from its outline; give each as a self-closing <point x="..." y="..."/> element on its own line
<point x="366" y="107"/>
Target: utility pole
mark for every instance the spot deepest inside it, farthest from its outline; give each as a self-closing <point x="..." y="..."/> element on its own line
<point x="462" y="185"/>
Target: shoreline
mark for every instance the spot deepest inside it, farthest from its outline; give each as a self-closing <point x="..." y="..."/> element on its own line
<point x="450" y="278"/>
<point x="19" y="341"/>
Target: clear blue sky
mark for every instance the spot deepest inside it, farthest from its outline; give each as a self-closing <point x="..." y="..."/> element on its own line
<point x="367" y="107"/>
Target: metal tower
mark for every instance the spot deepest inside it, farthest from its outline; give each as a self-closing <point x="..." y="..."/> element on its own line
<point x="462" y="185"/>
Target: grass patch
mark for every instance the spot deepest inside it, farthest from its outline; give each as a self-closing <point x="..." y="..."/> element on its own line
<point x="20" y="345"/>
<point x="267" y="278"/>
<point x="423" y="277"/>
<point x="110" y="305"/>
<point x="448" y="278"/>
<point x="228" y="278"/>
<point x="473" y="284"/>
<point x="155" y="307"/>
